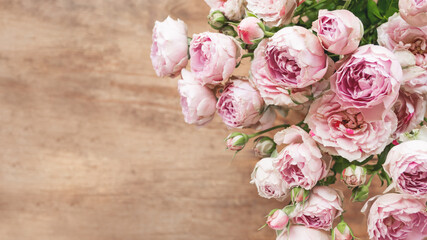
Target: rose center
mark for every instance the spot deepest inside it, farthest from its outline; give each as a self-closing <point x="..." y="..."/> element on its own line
<point x="282" y="66"/>
<point x="419" y="46"/>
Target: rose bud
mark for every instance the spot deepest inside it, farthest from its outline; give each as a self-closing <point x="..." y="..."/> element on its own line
<point x="354" y="176"/>
<point x="360" y="194"/>
<point x="169" y="49"/>
<point x="398" y="217"/>
<point x="278" y="221"/>
<point x="414" y="11"/>
<point x="299" y="194"/>
<point x="406" y="164"/>
<point x="236" y="141"/>
<point x="216" y="19"/>
<point x="263" y="147"/>
<point x="249" y="30"/>
<point x="198" y="102"/>
<point x="342" y="232"/>
<point x="268" y="180"/>
<point x="229" y="31"/>
<point x="339" y="31"/>
<point x="297" y="232"/>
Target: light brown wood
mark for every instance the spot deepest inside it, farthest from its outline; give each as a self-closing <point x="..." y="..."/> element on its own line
<point x="94" y="146"/>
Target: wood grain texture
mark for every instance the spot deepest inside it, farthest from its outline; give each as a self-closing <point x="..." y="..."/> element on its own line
<point x="94" y="146"/>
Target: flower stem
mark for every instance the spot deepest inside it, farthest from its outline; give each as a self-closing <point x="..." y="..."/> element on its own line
<point x="347" y="4"/>
<point x="251" y="55"/>
<point x="268" y="130"/>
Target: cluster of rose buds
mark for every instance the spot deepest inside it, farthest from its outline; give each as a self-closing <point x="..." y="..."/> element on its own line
<point x="356" y="69"/>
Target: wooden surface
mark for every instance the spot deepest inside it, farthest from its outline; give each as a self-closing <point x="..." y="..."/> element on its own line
<point x="94" y="146"/>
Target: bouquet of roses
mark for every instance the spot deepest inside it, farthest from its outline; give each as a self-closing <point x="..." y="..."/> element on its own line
<point x="356" y="69"/>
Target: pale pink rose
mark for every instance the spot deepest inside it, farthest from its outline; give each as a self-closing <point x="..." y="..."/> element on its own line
<point x="368" y="80"/>
<point x="339" y="31"/>
<point x="299" y="163"/>
<point x="273" y="92"/>
<point x="197" y="102"/>
<point x="414" y="11"/>
<point x="169" y="47"/>
<point x="415" y="80"/>
<point x="297" y="232"/>
<point x="273" y="12"/>
<point x="354" y="176"/>
<point x="214" y="57"/>
<point x="249" y="30"/>
<point x="240" y="105"/>
<point x="410" y="110"/>
<point x="397" y="217"/>
<point x="233" y="9"/>
<point x="295" y="58"/>
<point x="278" y="221"/>
<point x="397" y="35"/>
<point x="268" y="180"/>
<point x="319" y="212"/>
<point x="406" y="164"/>
<point x="347" y="132"/>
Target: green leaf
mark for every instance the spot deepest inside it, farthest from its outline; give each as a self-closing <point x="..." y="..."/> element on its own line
<point x="274" y="153"/>
<point x="374" y="14"/>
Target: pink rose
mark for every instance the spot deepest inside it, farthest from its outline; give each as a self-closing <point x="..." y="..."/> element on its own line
<point x="197" y="102"/>
<point x="406" y="164"/>
<point x="249" y="30"/>
<point x="397" y="35"/>
<point x="415" y="80"/>
<point x="319" y="212"/>
<point x="240" y="105"/>
<point x="410" y="110"/>
<point x="300" y="163"/>
<point x="339" y="31"/>
<point x="268" y="180"/>
<point x="214" y="57"/>
<point x="273" y="92"/>
<point x="414" y="11"/>
<point x="169" y="48"/>
<point x="398" y="217"/>
<point x="303" y="233"/>
<point x="278" y="221"/>
<point x="294" y="58"/>
<point x="368" y="80"/>
<point x="347" y="132"/>
<point x="274" y="12"/>
<point x="233" y="9"/>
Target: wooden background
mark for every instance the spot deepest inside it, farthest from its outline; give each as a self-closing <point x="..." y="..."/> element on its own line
<point x="93" y="144"/>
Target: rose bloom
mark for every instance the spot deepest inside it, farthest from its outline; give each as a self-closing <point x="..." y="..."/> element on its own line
<point x="297" y="232"/>
<point x="414" y="11"/>
<point x="273" y="92"/>
<point x="197" y="102"/>
<point x="240" y="105"/>
<point x="278" y="220"/>
<point x="299" y="163"/>
<point x="339" y="31"/>
<point x="295" y="58"/>
<point x="249" y="30"/>
<point x="274" y="12"/>
<point x="415" y="80"/>
<point x="368" y="80"/>
<point x="323" y="206"/>
<point x="396" y="35"/>
<point x="410" y="110"/>
<point x="406" y="164"/>
<point x="398" y="217"/>
<point x="233" y="9"/>
<point x="268" y="180"/>
<point x="169" y="47"/>
<point x="214" y="57"/>
<point x="347" y="132"/>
